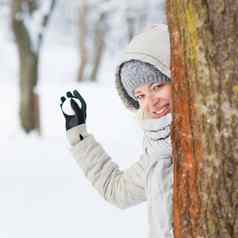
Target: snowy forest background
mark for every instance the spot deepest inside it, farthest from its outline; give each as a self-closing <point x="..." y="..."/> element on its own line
<point x="43" y="193"/>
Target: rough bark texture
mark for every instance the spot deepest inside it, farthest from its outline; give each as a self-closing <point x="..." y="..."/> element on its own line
<point x="204" y="39"/>
<point x="28" y="68"/>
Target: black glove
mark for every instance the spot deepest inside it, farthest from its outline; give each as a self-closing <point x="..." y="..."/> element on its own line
<point x="80" y="113"/>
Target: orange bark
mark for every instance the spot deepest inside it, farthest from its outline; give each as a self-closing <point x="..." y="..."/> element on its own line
<point x="204" y="41"/>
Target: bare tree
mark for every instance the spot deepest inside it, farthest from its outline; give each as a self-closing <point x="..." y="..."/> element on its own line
<point x="99" y="38"/>
<point x="204" y="38"/>
<point x="29" y="45"/>
<point x="83" y="30"/>
<point x="92" y="29"/>
<point x="136" y="14"/>
<point x="131" y="22"/>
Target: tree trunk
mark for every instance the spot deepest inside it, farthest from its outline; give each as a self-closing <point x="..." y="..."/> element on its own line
<point x="204" y="42"/>
<point x="29" y="102"/>
<point x="82" y="40"/>
<point x="29" y="108"/>
<point x="99" y="44"/>
<point x="130" y="26"/>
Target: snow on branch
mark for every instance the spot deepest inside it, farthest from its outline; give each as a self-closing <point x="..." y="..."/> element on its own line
<point x="36" y="20"/>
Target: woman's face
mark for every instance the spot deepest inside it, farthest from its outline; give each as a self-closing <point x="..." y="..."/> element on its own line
<point x="154" y="99"/>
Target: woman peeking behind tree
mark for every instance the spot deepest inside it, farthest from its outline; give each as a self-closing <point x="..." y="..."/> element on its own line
<point x="144" y="85"/>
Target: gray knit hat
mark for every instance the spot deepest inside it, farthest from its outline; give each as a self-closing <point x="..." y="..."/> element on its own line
<point x="135" y="73"/>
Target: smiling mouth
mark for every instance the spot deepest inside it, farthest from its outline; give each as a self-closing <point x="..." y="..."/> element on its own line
<point x="163" y="111"/>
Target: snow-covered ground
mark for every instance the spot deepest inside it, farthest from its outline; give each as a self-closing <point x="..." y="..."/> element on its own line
<point x="43" y="192"/>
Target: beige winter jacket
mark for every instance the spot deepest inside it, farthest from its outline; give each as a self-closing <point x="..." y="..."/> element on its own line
<point x="151" y="177"/>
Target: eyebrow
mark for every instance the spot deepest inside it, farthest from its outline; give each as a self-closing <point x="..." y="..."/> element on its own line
<point x="137" y="92"/>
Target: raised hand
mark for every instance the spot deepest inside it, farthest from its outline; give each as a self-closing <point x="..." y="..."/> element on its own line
<point x="79" y="116"/>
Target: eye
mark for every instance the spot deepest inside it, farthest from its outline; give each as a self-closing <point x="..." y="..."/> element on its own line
<point x="139" y="97"/>
<point x="156" y="86"/>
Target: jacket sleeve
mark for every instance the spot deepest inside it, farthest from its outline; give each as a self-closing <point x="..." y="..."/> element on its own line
<point x="121" y="188"/>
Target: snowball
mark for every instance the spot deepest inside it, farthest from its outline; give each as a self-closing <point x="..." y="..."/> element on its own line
<point x="67" y="106"/>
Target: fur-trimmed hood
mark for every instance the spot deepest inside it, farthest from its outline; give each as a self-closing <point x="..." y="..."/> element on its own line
<point x="151" y="46"/>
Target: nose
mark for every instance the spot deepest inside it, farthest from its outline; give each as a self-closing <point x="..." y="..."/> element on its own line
<point x="153" y="101"/>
